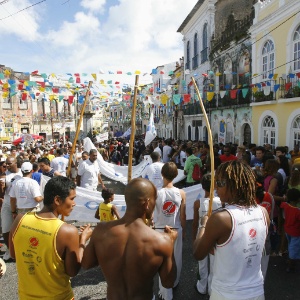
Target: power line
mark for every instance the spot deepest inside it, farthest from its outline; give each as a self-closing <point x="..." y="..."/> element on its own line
<point x="20" y="9"/>
<point x="3" y="2"/>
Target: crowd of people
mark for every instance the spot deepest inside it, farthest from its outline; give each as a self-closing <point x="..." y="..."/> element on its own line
<point x="255" y="213"/>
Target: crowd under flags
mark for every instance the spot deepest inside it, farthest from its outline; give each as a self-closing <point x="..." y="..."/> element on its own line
<point x="151" y="131"/>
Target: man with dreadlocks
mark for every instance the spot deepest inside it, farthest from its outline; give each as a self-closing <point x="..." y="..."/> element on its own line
<point x="237" y="234"/>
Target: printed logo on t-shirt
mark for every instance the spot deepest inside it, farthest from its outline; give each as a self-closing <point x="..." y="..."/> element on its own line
<point x="169" y="208"/>
<point x="252" y="233"/>
<point x="34" y="242"/>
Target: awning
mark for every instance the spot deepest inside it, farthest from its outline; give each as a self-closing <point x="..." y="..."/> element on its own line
<point x="4" y="138"/>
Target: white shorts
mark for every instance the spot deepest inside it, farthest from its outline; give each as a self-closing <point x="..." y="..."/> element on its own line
<point x="216" y="296"/>
<point x="6" y="218"/>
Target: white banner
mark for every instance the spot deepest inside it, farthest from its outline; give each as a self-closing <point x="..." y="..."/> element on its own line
<point x="120" y="173"/>
<point x="102" y="137"/>
<point x="88" y="201"/>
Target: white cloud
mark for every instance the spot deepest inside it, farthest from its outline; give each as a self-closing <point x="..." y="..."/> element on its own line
<point x="93" y="5"/>
<point x="72" y="34"/>
<point x="130" y="35"/>
<point x="23" y="25"/>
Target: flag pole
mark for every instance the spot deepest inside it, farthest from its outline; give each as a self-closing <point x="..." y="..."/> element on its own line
<point x="132" y="135"/>
<point x="211" y="150"/>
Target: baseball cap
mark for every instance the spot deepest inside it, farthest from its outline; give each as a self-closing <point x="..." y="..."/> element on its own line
<point x="26" y="167"/>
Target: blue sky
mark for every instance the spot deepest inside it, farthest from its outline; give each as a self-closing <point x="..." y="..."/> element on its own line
<point x="60" y="36"/>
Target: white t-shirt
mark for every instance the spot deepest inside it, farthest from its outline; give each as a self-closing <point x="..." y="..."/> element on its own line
<point x="167" y="208"/>
<point x="204" y="206"/>
<point x="157" y="149"/>
<point x="25" y="190"/>
<point x="153" y="173"/>
<point x="166" y="151"/>
<point x="89" y="174"/>
<point x="9" y="179"/>
<point x="60" y="164"/>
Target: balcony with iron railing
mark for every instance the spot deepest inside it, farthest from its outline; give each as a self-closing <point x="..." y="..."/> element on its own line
<point x="191" y="109"/>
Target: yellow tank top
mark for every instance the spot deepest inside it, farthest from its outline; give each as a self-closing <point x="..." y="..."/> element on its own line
<point x="105" y="212"/>
<point x="41" y="271"/>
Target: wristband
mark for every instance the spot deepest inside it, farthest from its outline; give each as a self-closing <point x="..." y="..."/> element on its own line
<point x="201" y="226"/>
<point x="14" y="212"/>
<point x="82" y="246"/>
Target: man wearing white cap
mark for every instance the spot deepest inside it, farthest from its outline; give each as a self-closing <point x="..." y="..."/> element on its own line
<point x="25" y="193"/>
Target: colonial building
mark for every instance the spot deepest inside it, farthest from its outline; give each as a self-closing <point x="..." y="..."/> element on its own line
<point x="197" y="30"/>
<point x="276" y="71"/>
<point x="230" y="56"/>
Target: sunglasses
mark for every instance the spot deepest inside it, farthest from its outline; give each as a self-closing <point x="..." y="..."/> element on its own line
<point x="220" y="183"/>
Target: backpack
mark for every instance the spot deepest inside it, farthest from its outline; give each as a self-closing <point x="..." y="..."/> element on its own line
<point x="197" y="173"/>
<point x="114" y="157"/>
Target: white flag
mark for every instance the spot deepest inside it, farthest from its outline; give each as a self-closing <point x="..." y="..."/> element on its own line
<point x="127" y="133"/>
<point x="151" y="131"/>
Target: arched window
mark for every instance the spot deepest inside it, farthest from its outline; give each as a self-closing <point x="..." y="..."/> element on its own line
<point x="296" y="43"/>
<point x="197" y="138"/>
<point x="187" y="65"/>
<point x="195" y="58"/>
<point x="269" y="131"/>
<point x="268" y="58"/>
<point x="189" y="132"/>
<point x="204" y="52"/>
<point x="296" y="131"/>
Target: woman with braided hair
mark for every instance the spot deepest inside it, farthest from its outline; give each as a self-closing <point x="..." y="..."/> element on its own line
<point x="237" y="235"/>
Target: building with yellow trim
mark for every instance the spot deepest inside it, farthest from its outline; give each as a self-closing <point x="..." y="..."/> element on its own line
<point x="275" y="37"/>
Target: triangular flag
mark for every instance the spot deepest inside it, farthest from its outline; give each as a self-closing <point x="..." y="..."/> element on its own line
<point x="267" y="90"/>
<point x="70" y="99"/>
<point x="233" y="94"/>
<point x="94" y="75"/>
<point x="7" y="72"/>
<point x="176" y="98"/>
<point x="222" y="94"/>
<point x="24" y="96"/>
<point x="245" y="92"/>
<point x="164" y="99"/>
<point x="210" y="95"/>
<point x="276" y="87"/>
<point x="186" y="98"/>
<point x="119" y="72"/>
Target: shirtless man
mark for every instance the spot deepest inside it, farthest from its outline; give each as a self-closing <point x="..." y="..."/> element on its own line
<point x="129" y="252"/>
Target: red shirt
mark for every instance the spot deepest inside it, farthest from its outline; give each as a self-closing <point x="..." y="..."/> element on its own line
<point x="225" y="158"/>
<point x="292" y="219"/>
<point x="266" y="202"/>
